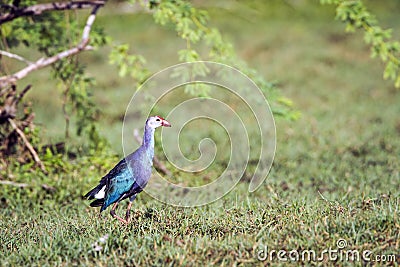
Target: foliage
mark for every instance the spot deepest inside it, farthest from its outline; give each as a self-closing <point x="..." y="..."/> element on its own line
<point x="191" y="25"/>
<point x="356" y="16"/>
<point x="128" y="63"/>
<point x="51" y="33"/>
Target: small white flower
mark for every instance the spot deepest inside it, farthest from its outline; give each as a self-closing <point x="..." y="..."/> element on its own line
<point x="96" y="247"/>
<point x="103" y="239"/>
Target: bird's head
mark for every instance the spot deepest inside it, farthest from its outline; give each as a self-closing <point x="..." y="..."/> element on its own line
<point x="157" y="121"/>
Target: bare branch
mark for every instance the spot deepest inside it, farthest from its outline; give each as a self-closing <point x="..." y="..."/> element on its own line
<point x="43" y="62"/>
<point x="14" y="56"/>
<point x="13" y="184"/>
<point x="89" y="23"/>
<point x="28" y="145"/>
<point x="5" y="90"/>
<point x="40" y="8"/>
<point x="21" y="95"/>
<point x="49" y="188"/>
<point x="157" y="163"/>
<point x="23" y="185"/>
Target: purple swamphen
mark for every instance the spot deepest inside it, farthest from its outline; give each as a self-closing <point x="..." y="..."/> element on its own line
<point x="130" y="175"/>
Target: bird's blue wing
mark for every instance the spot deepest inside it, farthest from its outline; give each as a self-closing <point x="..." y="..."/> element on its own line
<point x="119" y="181"/>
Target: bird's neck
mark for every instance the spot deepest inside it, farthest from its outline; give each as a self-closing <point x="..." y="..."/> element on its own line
<point x="148" y="141"/>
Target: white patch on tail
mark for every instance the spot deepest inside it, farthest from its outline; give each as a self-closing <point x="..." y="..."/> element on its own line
<point x="101" y="193"/>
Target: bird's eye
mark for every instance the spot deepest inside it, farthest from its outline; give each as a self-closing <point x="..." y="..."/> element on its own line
<point x="157" y="119"/>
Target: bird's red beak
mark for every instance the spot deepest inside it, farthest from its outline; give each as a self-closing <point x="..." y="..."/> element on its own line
<point x="165" y="123"/>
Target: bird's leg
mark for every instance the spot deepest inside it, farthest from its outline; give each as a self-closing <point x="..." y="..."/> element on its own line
<point x="112" y="212"/>
<point x="128" y="212"/>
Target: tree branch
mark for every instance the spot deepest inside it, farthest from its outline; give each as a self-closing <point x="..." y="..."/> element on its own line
<point x="40" y="8"/>
<point x="14" y="56"/>
<point x="23" y="185"/>
<point x="28" y="145"/>
<point x="21" y="95"/>
<point x="13" y="184"/>
<point x="43" y="62"/>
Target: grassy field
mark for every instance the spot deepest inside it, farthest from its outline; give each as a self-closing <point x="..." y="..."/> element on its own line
<point x="335" y="177"/>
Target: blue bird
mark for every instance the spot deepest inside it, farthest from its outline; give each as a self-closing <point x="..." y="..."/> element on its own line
<point x="129" y="176"/>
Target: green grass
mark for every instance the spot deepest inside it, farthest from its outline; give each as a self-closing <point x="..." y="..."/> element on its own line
<point x="335" y="174"/>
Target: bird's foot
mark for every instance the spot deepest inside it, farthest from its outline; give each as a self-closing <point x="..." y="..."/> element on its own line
<point x="122" y="220"/>
<point x="118" y="218"/>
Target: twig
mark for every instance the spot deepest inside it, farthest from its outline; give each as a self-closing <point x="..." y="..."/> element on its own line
<point x="157" y="163"/>
<point x="5" y="6"/>
<point x="40" y="8"/>
<point x="43" y="62"/>
<point x="5" y="90"/>
<point x="13" y="184"/>
<point x="46" y="187"/>
<point x="21" y="95"/>
<point x="14" y="56"/>
<point x="28" y="145"/>
<point x="324" y="198"/>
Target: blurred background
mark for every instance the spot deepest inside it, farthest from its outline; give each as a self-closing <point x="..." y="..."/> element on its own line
<point x="298" y="45"/>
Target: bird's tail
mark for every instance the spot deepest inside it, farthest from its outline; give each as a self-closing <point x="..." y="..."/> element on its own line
<point x="94" y="193"/>
<point x="98" y="193"/>
<point x="97" y="203"/>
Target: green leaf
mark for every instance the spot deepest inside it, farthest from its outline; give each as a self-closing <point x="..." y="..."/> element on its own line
<point x="397" y="83"/>
<point x="390" y="71"/>
<point x="356" y="15"/>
